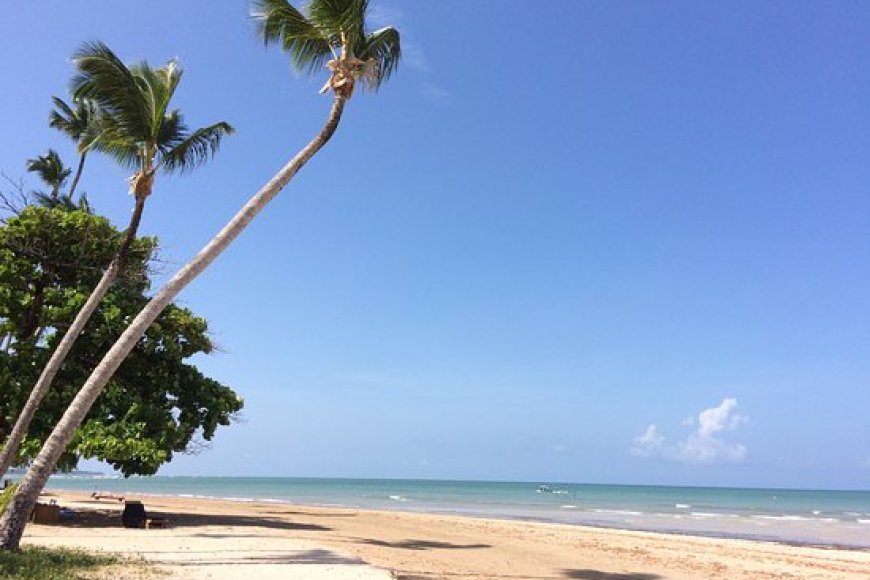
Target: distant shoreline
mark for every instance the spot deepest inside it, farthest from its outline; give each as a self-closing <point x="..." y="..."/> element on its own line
<point x="839" y="519"/>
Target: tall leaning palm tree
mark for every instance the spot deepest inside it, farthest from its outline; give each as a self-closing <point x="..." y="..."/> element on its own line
<point x="80" y="123"/>
<point x="51" y="170"/>
<point x="140" y="131"/>
<point x="331" y="32"/>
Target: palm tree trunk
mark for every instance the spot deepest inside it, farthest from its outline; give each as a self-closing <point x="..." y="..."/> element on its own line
<point x="14" y="519"/>
<point x="75" y="181"/>
<point x="22" y="424"/>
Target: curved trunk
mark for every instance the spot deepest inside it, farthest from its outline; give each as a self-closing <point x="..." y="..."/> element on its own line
<point x="22" y="423"/>
<point x="75" y="181"/>
<point x="14" y="519"/>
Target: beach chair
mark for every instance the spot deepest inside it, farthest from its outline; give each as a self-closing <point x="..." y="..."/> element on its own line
<point x="135" y="516"/>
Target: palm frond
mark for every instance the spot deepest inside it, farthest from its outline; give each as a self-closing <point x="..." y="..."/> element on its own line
<point x="80" y="124"/>
<point x="173" y="130"/>
<point x="84" y="204"/>
<point x="114" y="142"/>
<point x="344" y="19"/>
<point x="158" y="87"/>
<point x="63" y="118"/>
<point x="195" y="149"/>
<point x="278" y="22"/>
<point x="50" y="169"/>
<point x="103" y="78"/>
<point x="384" y="47"/>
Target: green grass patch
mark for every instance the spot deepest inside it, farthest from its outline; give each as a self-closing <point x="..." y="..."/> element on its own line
<point x="6" y="496"/>
<point x="51" y="564"/>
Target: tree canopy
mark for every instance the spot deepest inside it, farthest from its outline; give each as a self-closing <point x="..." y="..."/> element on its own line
<point x="157" y="404"/>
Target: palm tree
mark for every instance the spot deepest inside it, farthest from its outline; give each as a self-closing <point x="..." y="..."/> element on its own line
<point x="138" y="129"/>
<point x="333" y="33"/>
<point x="51" y="170"/>
<point x="81" y="124"/>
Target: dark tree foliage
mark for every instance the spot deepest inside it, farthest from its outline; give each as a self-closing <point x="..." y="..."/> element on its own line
<point x="157" y="404"/>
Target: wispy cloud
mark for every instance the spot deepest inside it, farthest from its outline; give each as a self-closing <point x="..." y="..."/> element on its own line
<point x="413" y="57"/>
<point x="385" y="15"/>
<point x="704" y="444"/>
<point x="435" y="93"/>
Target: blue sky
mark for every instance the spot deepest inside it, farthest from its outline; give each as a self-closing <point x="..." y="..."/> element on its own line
<point x="560" y="224"/>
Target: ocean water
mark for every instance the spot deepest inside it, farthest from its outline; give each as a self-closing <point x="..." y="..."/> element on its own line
<point x="838" y="518"/>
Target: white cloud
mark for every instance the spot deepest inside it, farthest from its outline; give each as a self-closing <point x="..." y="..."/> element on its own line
<point x="704" y="444"/>
<point x="649" y="443"/>
<point x="721" y="418"/>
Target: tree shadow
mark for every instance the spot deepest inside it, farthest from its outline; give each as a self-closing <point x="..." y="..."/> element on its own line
<point x="423" y="545"/>
<point x="309" y="514"/>
<point x="112" y="519"/>
<point x="601" y="575"/>
<point x="225" y="558"/>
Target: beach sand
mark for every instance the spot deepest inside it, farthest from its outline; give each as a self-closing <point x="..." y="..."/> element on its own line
<point x="222" y="540"/>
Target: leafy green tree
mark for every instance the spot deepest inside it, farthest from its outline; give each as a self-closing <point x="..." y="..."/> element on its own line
<point x="332" y="32"/>
<point x="138" y="129"/>
<point x="81" y="123"/>
<point x="156" y="404"/>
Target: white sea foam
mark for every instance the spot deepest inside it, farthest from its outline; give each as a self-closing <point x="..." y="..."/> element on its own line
<point x="784" y="518"/>
<point x="398" y="498"/>
<point x="620" y="512"/>
<point x="682" y="506"/>
<point x="712" y="515"/>
<point x="863" y="521"/>
<point x="568" y="506"/>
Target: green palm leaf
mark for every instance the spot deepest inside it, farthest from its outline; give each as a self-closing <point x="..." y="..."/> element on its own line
<point x="81" y="124"/>
<point x="384" y="47"/>
<point x="280" y="23"/>
<point x="333" y="28"/>
<point x="195" y="149"/>
<point x="103" y="78"/>
<point x="343" y="19"/>
<point x="137" y="128"/>
<point x="50" y="169"/>
<point x="158" y="86"/>
<point x="115" y="143"/>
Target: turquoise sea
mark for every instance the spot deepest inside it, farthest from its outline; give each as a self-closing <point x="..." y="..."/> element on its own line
<point x="840" y="518"/>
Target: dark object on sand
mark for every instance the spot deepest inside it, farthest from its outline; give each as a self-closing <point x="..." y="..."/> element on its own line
<point x="134" y="515"/>
<point x="45" y="513"/>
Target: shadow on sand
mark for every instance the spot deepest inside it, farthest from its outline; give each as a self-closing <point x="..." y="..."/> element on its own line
<point x="102" y="518"/>
<point x="225" y="558"/>
<point x="423" y="545"/>
<point x="600" y="575"/>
